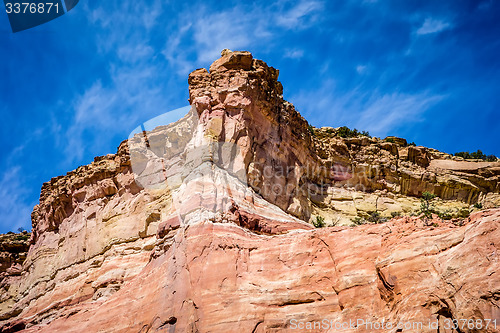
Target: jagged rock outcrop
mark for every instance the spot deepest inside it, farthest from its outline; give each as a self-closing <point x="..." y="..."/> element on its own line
<point x="200" y="226"/>
<point x="13" y="251"/>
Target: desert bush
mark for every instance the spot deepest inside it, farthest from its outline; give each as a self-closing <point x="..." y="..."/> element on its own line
<point x="376" y="218"/>
<point x="395" y="214"/>
<point x="366" y="133"/>
<point x="478" y="205"/>
<point x="311" y="129"/>
<point x="23" y="237"/>
<point x="477" y="155"/>
<point x="463" y="213"/>
<point x="463" y="154"/>
<point x="346" y="132"/>
<point x="425" y="204"/>
<point x="391" y="140"/>
<point x="446" y="215"/>
<point x="358" y="220"/>
<point x="319" y="222"/>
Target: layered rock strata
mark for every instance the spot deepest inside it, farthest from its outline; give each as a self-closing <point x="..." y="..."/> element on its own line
<point x="212" y="236"/>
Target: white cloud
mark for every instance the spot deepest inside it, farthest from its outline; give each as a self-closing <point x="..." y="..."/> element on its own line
<point x="115" y="108"/>
<point x="131" y="88"/>
<point x="378" y="113"/>
<point x="14" y="209"/>
<point x="202" y="33"/>
<point x="431" y="26"/>
<point x="174" y="53"/>
<point x="301" y="15"/>
<point x="294" y="54"/>
<point x="220" y="31"/>
<point x="134" y="53"/>
<point x="382" y="113"/>
<point x="361" y="69"/>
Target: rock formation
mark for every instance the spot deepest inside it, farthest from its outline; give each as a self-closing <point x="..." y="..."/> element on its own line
<point x="202" y="226"/>
<point x="13" y="251"/>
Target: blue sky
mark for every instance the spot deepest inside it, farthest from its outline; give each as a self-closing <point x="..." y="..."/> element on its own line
<point x="75" y="87"/>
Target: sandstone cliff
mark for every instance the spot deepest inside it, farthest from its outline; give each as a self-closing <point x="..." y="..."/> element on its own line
<point x="13" y="251"/>
<point x="201" y="226"/>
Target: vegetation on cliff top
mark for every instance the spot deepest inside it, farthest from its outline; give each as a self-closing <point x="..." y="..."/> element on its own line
<point x="346" y="132"/>
<point x="477" y="155"/>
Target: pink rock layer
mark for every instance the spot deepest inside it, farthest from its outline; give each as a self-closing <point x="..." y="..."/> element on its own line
<point x="223" y="278"/>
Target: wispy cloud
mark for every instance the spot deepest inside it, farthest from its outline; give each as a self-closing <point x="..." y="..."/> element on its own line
<point x="203" y="33"/>
<point x="134" y="53"/>
<point x="129" y="96"/>
<point x="131" y="87"/>
<point x="294" y="53"/>
<point x="15" y="209"/>
<point x="215" y="32"/>
<point x="304" y="13"/>
<point x="379" y="113"/>
<point x="361" y="69"/>
<point x="432" y="25"/>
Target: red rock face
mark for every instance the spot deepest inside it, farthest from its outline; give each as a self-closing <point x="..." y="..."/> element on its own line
<point x="222" y="278"/>
<point x="228" y="249"/>
<point x="244" y="96"/>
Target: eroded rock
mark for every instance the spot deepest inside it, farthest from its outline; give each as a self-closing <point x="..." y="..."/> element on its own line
<point x="225" y="249"/>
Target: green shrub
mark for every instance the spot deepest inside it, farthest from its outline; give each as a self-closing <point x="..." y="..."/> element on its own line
<point x="376" y="218"/>
<point x="425" y="204"/>
<point x="478" y="205"/>
<point x="311" y="129"/>
<point x="22" y="237"/>
<point x="435" y="225"/>
<point x="319" y="222"/>
<point x="463" y="154"/>
<point x="463" y="213"/>
<point x="446" y="215"/>
<point x="478" y="155"/>
<point x="428" y="196"/>
<point x="412" y="144"/>
<point x="366" y="133"/>
<point x="346" y="132"/>
<point x="358" y="220"/>
<point x="395" y="214"/>
<point x="391" y="140"/>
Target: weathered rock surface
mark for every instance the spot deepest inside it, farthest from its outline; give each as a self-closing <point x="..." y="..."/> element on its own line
<point x="391" y="174"/>
<point x="225" y="249"/>
<point x="13" y="251"/>
<point x="221" y="278"/>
